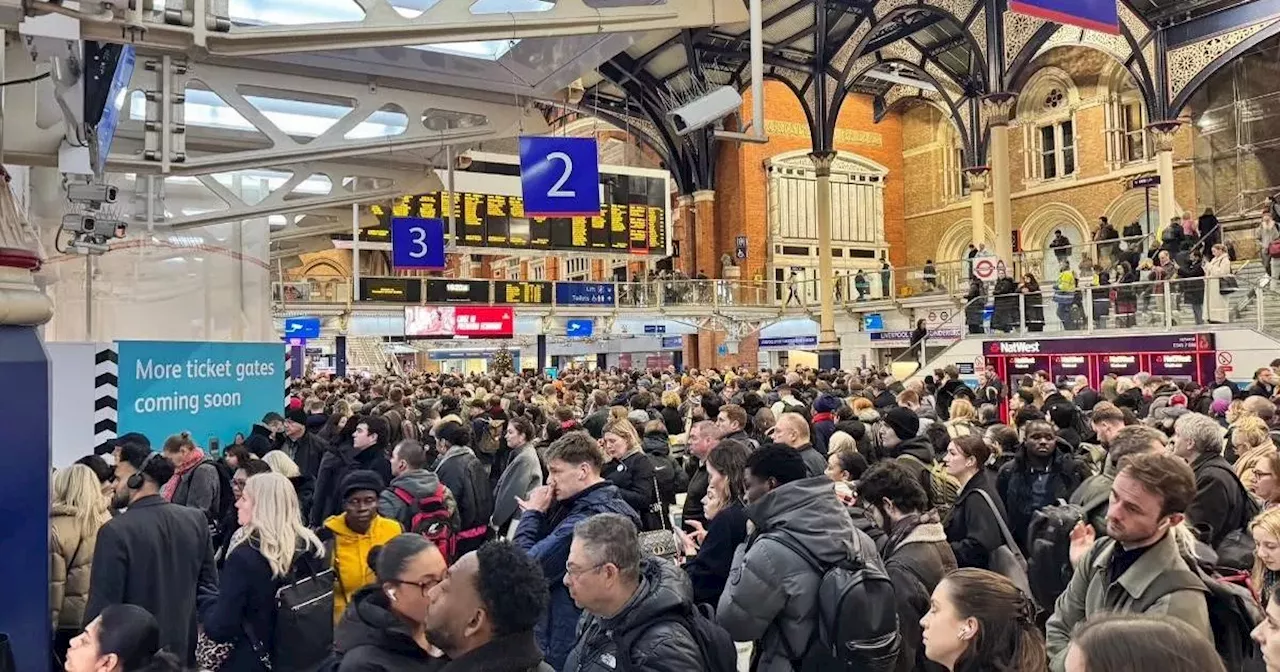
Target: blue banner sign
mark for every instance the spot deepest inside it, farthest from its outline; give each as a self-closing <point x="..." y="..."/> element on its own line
<point x="302" y="327"/>
<point x="672" y="342"/>
<point x="655" y="328"/>
<point x="208" y="389"/>
<point x="417" y="242"/>
<point x="451" y="355"/>
<point x="1099" y="15"/>
<point x="788" y="342"/>
<point x="584" y="294"/>
<point x="579" y="328"/>
<point x="560" y="176"/>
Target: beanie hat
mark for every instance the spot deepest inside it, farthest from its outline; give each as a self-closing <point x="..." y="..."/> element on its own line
<point x="360" y="479"/>
<point x="295" y="403"/>
<point x="826" y="404"/>
<point x="296" y="415"/>
<point x="1219" y="406"/>
<point x="1178" y="399"/>
<point x="1222" y="393"/>
<point x="903" y="421"/>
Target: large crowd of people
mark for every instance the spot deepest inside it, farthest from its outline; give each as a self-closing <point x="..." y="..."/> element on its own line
<point x="676" y="521"/>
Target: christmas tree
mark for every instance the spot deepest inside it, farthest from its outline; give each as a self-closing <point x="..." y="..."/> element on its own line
<point x="502" y="361"/>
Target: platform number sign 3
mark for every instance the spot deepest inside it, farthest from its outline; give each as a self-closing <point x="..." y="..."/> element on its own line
<point x="417" y="243"/>
<point x="560" y="177"/>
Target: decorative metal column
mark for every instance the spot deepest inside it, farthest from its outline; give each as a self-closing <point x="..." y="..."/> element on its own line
<point x="1162" y="135"/>
<point x="828" y="341"/>
<point x="998" y="109"/>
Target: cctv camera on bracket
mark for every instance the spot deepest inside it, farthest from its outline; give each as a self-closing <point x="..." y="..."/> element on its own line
<point x="705" y="110"/>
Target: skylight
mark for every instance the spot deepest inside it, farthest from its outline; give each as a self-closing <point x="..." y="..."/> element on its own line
<point x="305" y="12"/>
<point x="300" y="118"/>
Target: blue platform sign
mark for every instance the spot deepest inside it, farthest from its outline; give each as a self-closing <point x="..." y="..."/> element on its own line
<point x="1099" y="15"/>
<point x="672" y="342"/>
<point x="560" y="176"/>
<point x="579" y="328"/>
<point x="417" y="242"/>
<point x="655" y="328"/>
<point x="208" y="389"/>
<point x="788" y="342"/>
<point x="584" y="294"/>
<point x="302" y="327"/>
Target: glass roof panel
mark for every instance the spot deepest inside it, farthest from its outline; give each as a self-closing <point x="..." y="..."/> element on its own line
<point x="299" y="118"/>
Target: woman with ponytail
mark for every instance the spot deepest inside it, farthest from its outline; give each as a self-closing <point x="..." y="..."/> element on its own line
<point x="123" y="638"/>
<point x="263" y="553"/>
<point x="978" y="621"/>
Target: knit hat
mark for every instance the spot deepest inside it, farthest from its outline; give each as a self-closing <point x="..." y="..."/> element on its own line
<point x="903" y="421"/>
<point x="1219" y="406"/>
<point x="826" y="404"/>
<point x="1222" y="393"/>
<point x="360" y="479"/>
<point x="296" y="415"/>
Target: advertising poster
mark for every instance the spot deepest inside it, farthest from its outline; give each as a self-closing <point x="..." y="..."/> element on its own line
<point x="212" y="390"/>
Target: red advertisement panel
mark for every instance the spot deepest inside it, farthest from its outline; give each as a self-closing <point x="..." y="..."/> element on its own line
<point x="459" y="322"/>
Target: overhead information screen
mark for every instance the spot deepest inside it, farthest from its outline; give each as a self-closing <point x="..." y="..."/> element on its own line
<point x="633" y="216"/>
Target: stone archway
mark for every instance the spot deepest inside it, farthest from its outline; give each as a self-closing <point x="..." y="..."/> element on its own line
<point x="956" y="238"/>
<point x="1037" y="230"/>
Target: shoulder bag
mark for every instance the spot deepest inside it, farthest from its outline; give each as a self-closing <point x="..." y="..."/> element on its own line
<point x="1007" y="560"/>
<point x="660" y="543"/>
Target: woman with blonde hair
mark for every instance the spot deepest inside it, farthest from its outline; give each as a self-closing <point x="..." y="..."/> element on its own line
<point x="631" y="470"/>
<point x="271" y="545"/>
<point x="78" y="511"/>
<point x="963" y="418"/>
<point x="1265" y="530"/>
<point x="304" y="486"/>
<point x="1251" y="441"/>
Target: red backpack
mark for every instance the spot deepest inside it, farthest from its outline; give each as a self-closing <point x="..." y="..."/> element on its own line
<point x="433" y="520"/>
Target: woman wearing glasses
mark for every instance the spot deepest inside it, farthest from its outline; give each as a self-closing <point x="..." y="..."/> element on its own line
<point x="382" y="627"/>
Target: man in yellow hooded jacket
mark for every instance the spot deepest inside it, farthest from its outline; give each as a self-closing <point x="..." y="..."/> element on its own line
<point x="350" y="535"/>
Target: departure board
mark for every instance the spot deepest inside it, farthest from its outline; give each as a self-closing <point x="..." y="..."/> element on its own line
<point x="632" y="220"/>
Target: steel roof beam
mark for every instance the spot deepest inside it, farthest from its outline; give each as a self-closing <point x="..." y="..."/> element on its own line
<point x="905" y="30"/>
<point x="194" y="29"/>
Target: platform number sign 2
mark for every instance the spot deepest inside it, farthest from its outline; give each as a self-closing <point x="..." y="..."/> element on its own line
<point x="417" y="243"/>
<point x="559" y="176"/>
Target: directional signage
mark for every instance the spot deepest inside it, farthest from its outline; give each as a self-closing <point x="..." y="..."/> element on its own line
<point x="584" y="294"/>
<point x="1099" y="15"/>
<point x="655" y="328"/>
<point x="302" y="327"/>
<point x="560" y="176"/>
<point x="579" y="328"/>
<point x="1144" y="182"/>
<point x="417" y="242"/>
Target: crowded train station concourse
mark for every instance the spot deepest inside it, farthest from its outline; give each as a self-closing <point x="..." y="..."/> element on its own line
<point x="640" y="335"/>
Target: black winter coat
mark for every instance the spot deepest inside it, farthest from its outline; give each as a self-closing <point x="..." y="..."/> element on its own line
<point x="673" y="420"/>
<point x="334" y="466"/>
<point x="463" y="473"/>
<point x="517" y="652"/>
<point x="972" y="529"/>
<point x="709" y="570"/>
<point x="306" y="452"/>
<point x="158" y="556"/>
<point x="260" y="441"/>
<point x="1006" y="315"/>
<point x="1219" y="505"/>
<point x="671" y="478"/>
<point x="657" y="643"/>
<point x="636" y="480"/>
<point x="370" y="638"/>
<point x="304" y="487"/>
<point x="699" y="481"/>
<point x="1014" y="485"/>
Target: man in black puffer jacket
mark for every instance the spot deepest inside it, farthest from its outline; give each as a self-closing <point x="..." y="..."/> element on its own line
<point x="630" y="602"/>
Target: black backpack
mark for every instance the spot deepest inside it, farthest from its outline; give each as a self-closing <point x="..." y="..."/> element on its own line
<point x="1233" y="613"/>
<point x="857" y="618"/>
<point x="719" y="653"/>
<point x="1049" y="567"/>
<point x="304" y="619"/>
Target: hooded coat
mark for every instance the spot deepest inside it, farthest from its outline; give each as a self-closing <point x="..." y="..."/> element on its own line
<point x="370" y="638"/>
<point x="1015" y="483"/>
<point x="349" y="551"/>
<point x="546" y="538"/>
<point x="771" y="597"/>
<point x="417" y="484"/>
<point x="465" y="476"/>
<point x="657" y="643"/>
<point x="916" y="558"/>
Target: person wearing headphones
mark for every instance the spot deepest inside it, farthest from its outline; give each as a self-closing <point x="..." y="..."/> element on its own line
<point x="155" y="554"/>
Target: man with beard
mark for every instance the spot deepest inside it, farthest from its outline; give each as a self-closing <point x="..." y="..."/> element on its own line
<point x="155" y="555"/>
<point x="483" y="614"/>
<point x="1124" y="572"/>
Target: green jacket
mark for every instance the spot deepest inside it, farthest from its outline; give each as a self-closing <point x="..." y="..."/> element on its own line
<point x="1094" y="495"/>
<point x="1091" y="593"/>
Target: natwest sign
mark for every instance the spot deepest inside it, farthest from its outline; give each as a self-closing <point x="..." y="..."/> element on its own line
<point x="1015" y="347"/>
<point x="459" y="322"/>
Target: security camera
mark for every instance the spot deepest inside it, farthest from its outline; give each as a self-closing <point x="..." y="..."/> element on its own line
<point x="706" y="110"/>
<point x="96" y="194"/>
<point x="79" y="223"/>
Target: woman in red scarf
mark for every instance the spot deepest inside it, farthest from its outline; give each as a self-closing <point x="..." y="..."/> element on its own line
<point x="195" y="481"/>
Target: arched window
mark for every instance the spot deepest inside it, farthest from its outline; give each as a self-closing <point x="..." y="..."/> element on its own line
<point x="1046" y="111"/>
<point x="1126" y="119"/>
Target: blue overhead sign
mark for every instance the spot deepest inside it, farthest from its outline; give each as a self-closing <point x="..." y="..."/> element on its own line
<point x="560" y="176"/>
<point x="302" y="327"/>
<point x="788" y="342"/>
<point x="584" y="294"/>
<point x="450" y="355"/>
<point x="417" y="242"/>
<point x="672" y="342"/>
<point x="106" y="130"/>
<point x="655" y="328"/>
<point x="579" y="328"/>
<point x="1099" y="15"/>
